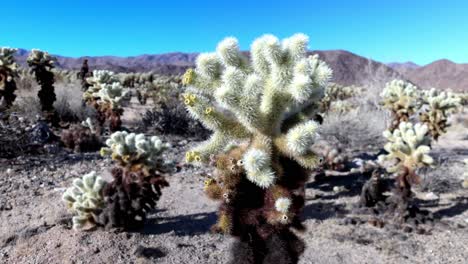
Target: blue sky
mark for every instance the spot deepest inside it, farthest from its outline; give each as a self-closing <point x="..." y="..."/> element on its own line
<point x="387" y="31"/>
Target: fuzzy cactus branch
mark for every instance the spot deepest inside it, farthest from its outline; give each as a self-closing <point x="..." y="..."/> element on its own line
<point x="132" y="150"/>
<point x="85" y="199"/>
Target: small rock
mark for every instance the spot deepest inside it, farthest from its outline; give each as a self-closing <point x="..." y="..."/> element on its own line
<point x="431" y="196"/>
<point x="9" y="171"/>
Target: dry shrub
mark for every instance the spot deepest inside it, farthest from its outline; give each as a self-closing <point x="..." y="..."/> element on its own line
<point x="357" y="130"/>
<point x="69" y="105"/>
<point x="445" y="177"/>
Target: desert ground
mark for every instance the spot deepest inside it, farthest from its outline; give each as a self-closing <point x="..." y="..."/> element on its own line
<point x="35" y="225"/>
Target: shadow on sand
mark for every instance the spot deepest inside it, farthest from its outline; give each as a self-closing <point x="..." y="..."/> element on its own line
<point x="181" y="225"/>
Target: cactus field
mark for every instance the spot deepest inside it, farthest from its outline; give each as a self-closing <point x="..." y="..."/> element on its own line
<point x="255" y="154"/>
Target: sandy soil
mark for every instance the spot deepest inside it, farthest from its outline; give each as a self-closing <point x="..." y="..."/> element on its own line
<point x="35" y="225"/>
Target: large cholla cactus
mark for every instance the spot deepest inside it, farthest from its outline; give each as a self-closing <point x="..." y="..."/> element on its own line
<point x="260" y="181"/>
<point x="106" y="95"/>
<point x="41" y="64"/>
<point x="8" y="71"/>
<point x="85" y="199"/>
<point x="402" y="99"/>
<point x="138" y="180"/>
<point x="437" y="107"/>
<point x="408" y="146"/>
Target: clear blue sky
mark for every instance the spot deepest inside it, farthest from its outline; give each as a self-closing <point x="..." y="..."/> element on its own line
<point x="397" y="30"/>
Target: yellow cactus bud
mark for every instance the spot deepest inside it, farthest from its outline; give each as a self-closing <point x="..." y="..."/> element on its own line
<point x="188" y="77"/>
<point x="209" y="110"/>
<point x="189" y="99"/>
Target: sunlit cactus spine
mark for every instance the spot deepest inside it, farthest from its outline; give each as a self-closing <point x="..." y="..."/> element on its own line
<point x="86" y="200"/>
<point x="402" y="99"/>
<point x="255" y="105"/>
<point x="8" y="71"/>
<point x="437" y="107"/>
<point x="408" y="149"/>
<point x="41" y="64"/>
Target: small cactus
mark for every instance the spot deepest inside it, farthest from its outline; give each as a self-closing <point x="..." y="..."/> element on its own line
<point x="402" y="98"/>
<point x="408" y="149"/>
<point x="8" y="71"/>
<point x="85" y="199"/>
<point x="437" y="106"/>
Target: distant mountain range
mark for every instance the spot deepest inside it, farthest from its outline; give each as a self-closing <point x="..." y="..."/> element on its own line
<point x="444" y="74"/>
<point x="348" y="68"/>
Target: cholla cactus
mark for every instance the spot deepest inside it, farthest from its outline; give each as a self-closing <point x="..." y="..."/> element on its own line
<point x="111" y="95"/>
<point x="85" y="199"/>
<point x="8" y="71"/>
<point x="96" y="82"/>
<point x="264" y="98"/>
<point x="335" y="94"/>
<point x="106" y="95"/>
<point x="82" y="137"/>
<point x="41" y="64"/>
<point x="438" y="106"/>
<point x="402" y="99"/>
<point x="137" y="181"/>
<point x="132" y="150"/>
<point x="408" y="146"/>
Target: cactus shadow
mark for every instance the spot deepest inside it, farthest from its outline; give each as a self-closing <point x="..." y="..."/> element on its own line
<point x="352" y="182"/>
<point x="323" y="211"/>
<point x="460" y="206"/>
<point x="181" y="225"/>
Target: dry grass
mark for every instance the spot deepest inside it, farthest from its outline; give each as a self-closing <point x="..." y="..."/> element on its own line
<point x="358" y="130"/>
<point x="68" y="104"/>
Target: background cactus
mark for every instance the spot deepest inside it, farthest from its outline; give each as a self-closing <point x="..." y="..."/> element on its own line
<point x="85" y="199"/>
<point x="437" y="106"/>
<point x="402" y="99"/>
<point x="8" y="71"/>
<point x="106" y="95"/>
<point x="335" y="94"/>
<point x="41" y="64"/>
<point x="260" y="181"/>
<point x="408" y="149"/>
<point x="82" y="137"/>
